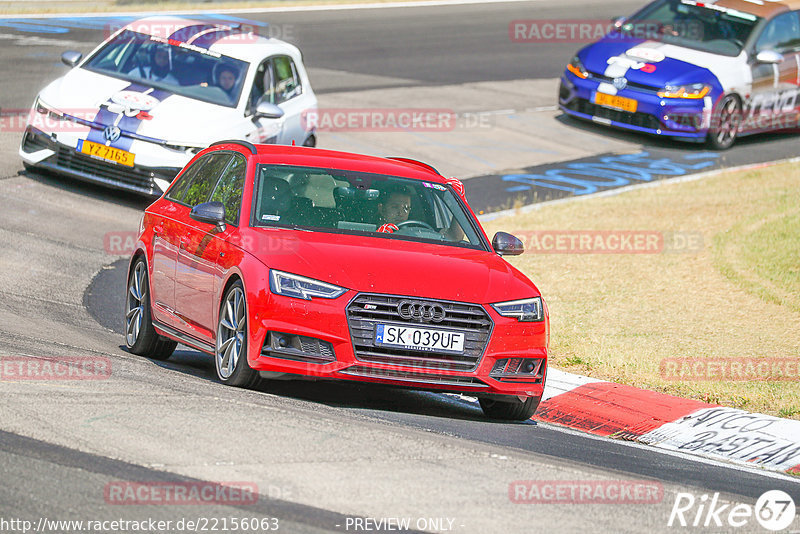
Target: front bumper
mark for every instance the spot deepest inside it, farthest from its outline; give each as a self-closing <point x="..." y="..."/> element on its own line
<point x="678" y="118"/>
<point x="38" y="149"/>
<point x="336" y="344"/>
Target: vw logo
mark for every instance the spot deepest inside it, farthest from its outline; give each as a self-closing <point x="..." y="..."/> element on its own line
<point x="620" y="83"/>
<point x="111" y="133"/>
<point x="421" y="311"/>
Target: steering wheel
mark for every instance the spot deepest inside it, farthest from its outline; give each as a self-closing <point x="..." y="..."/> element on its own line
<point x="412" y="223"/>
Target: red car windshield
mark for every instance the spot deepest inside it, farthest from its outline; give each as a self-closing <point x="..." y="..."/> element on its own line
<point x="355" y="202"/>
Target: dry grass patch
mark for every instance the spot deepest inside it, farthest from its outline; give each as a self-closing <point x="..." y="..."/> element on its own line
<point x="619" y="316"/>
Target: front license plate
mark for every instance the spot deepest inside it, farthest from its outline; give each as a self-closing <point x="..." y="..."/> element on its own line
<point x="428" y="339"/>
<point x="108" y="153"/>
<point x="616" y="102"/>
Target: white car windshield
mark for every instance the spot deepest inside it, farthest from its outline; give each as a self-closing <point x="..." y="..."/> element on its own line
<point x="181" y="69"/>
<point x="709" y="28"/>
<point x="355" y="202"/>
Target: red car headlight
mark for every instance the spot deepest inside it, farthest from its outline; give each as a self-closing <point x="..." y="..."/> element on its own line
<point x="525" y="310"/>
<point x="300" y="287"/>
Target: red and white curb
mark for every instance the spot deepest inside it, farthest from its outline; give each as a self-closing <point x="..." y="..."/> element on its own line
<point x="668" y="422"/>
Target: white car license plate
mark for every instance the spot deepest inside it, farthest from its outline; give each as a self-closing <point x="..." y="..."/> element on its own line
<point x="413" y="338"/>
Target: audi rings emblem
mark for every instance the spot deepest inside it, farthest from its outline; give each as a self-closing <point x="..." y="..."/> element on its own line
<point x="111" y="133"/>
<point x="421" y="311"/>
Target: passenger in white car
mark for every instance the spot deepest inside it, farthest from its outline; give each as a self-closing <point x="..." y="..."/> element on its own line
<point x="225" y="76"/>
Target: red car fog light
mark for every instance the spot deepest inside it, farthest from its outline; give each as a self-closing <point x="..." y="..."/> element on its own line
<point x="299" y="348"/>
<point x="518" y="370"/>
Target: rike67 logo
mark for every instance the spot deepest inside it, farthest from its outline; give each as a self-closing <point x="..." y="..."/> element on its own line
<point x="774" y="510"/>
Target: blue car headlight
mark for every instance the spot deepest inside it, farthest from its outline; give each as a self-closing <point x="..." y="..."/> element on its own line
<point x="693" y="91"/>
<point x="300" y="287"/>
<point x="525" y="310"/>
<point x="576" y="67"/>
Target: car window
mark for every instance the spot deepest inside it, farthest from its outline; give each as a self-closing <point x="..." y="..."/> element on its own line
<point x="229" y="188"/>
<point x="276" y="81"/>
<point x="781" y="34"/>
<point x="378" y="205"/>
<point x="262" y="90"/>
<point x="203" y="182"/>
<point x="116" y="53"/>
<point x="177" y="191"/>
<point x="287" y="82"/>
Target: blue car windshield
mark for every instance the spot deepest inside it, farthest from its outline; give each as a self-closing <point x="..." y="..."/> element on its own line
<point x="181" y="69"/>
<point x="355" y="202"/>
<point x="685" y="23"/>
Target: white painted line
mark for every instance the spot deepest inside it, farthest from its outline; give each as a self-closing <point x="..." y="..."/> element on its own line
<point x="633" y="187"/>
<point x="497" y="112"/>
<point x="286" y="9"/>
<point x="540" y="109"/>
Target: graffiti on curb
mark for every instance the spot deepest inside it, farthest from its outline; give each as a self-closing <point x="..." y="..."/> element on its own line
<point x="733" y="434"/>
<point x="583" y="178"/>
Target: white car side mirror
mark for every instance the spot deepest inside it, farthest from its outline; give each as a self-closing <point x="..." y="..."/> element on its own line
<point x="769" y="57"/>
<point x="268" y="111"/>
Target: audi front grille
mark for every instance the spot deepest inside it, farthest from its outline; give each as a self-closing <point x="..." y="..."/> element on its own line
<point x="368" y="310"/>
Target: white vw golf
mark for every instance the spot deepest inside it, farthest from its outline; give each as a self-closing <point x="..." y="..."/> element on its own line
<point x="133" y="112"/>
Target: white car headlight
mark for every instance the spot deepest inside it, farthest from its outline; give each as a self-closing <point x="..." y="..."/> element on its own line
<point x="184" y="147"/>
<point x="525" y="310"/>
<point x="300" y="287"/>
<point x="44" y="109"/>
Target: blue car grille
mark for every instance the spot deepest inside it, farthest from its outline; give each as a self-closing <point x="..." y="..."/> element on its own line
<point x="642" y="120"/>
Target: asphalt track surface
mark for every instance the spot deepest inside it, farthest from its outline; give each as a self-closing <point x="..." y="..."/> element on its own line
<point x="165" y="421"/>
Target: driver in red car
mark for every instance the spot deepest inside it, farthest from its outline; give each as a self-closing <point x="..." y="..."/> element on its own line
<point x="394" y="208"/>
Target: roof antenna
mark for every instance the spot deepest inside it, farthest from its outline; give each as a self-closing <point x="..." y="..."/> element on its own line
<point x="293" y="144"/>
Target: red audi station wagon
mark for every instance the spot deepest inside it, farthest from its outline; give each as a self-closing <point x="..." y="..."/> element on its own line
<point x="299" y="262"/>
